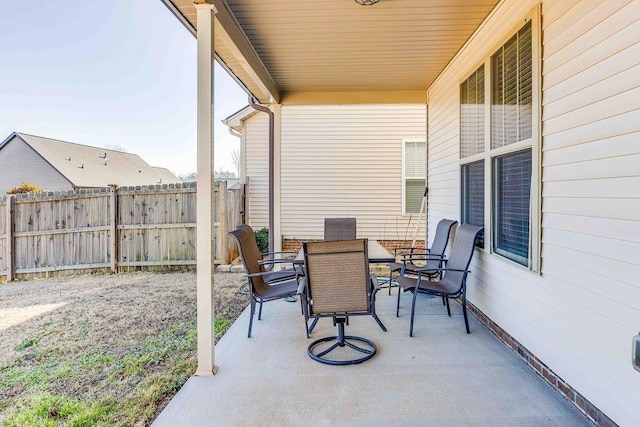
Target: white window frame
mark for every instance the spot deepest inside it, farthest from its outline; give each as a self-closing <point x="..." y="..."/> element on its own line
<point x="405" y="141"/>
<point x="534" y="143"/>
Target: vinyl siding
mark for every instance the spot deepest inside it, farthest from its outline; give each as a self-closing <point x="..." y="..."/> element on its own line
<point x="18" y="163"/>
<point x="579" y="314"/>
<point x="346" y="161"/>
<point x="256" y="153"/>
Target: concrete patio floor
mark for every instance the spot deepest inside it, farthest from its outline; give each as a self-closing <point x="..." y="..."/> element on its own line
<point x="440" y="377"/>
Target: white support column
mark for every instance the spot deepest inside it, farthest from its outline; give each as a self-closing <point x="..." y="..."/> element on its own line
<point x="205" y="251"/>
<point x="277" y="172"/>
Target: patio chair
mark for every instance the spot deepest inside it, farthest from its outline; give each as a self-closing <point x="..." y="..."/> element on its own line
<point x="452" y="283"/>
<point x="338" y="285"/>
<point x="263" y="285"/>
<point x="268" y="261"/>
<point x="339" y="229"/>
<point x="414" y="257"/>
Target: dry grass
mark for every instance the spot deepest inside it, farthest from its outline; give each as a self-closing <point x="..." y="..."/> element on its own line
<point x="101" y="349"/>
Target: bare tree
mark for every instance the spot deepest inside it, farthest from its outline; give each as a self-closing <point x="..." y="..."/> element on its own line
<point x="115" y="147"/>
<point x="235" y="156"/>
<point x="191" y="176"/>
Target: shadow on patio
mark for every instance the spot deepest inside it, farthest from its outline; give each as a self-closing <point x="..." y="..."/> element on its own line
<point x="441" y="376"/>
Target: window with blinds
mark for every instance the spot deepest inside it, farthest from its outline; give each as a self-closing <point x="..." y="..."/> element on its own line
<point x="414" y="171"/>
<point x="511" y="90"/>
<point x="473" y="196"/>
<point x="512" y="174"/>
<point x="472" y="114"/>
<point x="505" y="150"/>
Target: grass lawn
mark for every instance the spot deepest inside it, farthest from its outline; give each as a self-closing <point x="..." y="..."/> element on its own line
<point x="101" y="349"/>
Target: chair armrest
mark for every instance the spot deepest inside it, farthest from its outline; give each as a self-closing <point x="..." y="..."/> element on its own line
<point x="420" y="270"/>
<point x="265" y="254"/>
<point x="421" y="257"/>
<point x="302" y="286"/>
<point x="409" y="249"/>
<point x="375" y="285"/>
<point x="276" y="261"/>
<point x="266" y="273"/>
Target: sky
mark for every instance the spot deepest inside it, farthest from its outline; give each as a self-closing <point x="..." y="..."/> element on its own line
<point x="109" y="72"/>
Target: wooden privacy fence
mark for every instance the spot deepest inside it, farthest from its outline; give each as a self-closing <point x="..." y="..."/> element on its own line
<point x="111" y="229"/>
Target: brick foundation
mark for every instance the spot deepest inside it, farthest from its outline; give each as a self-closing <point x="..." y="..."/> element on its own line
<point x="296" y="244"/>
<point x="591" y="412"/>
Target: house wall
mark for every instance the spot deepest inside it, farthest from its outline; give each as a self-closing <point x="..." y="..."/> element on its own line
<point x="337" y="160"/>
<point x="256" y="159"/>
<point x="346" y="161"/>
<point x="579" y="314"/>
<point x="18" y="163"/>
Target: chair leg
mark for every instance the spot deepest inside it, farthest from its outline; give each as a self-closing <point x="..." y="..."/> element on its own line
<point x="464" y="312"/>
<point x="373" y="310"/>
<point x="444" y="302"/>
<point x="253" y="310"/>
<point x="313" y="324"/>
<point x="448" y="309"/>
<point x="375" y="316"/>
<point x="390" y="280"/>
<point x="305" y="312"/>
<point x="398" y="303"/>
<point x="260" y="311"/>
<point x="413" y="309"/>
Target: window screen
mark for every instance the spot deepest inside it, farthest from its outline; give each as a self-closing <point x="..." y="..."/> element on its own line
<point x="414" y="172"/>
<point x="473" y="195"/>
<point x="511" y="90"/>
<point x="513" y="194"/>
<point x="472" y="114"/>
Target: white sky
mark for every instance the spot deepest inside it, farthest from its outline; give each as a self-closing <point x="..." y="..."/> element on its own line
<point x="119" y="72"/>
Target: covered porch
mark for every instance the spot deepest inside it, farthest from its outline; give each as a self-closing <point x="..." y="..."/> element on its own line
<point x="563" y="286"/>
<point x="441" y="376"/>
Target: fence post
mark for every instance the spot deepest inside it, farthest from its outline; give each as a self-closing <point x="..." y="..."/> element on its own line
<point x="113" y="216"/>
<point x="9" y="240"/>
<point x="222" y="199"/>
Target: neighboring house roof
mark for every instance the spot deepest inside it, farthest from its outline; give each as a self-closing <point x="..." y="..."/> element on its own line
<point x="235" y="120"/>
<point x="86" y="166"/>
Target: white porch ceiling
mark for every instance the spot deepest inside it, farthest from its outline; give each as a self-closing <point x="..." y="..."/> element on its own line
<point x="302" y="49"/>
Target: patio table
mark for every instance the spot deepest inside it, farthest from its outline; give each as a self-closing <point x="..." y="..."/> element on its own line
<point x="377" y="254"/>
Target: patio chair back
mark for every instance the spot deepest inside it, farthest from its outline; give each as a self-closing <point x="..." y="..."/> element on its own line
<point x="249" y="254"/>
<point x="460" y="257"/>
<point x="337" y="274"/>
<point x="440" y="242"/>
<point x="339" y="229"/>
<point x="453" y="283"/>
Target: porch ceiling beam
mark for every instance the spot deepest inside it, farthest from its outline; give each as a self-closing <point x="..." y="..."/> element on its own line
<point x="354" y="97"/>
<point x="230" y="33"/>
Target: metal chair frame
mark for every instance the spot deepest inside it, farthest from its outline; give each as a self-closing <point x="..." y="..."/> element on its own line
<point x="452" y="282"/>
<point x="264" y="285"/>
<point x="337" y="301"/>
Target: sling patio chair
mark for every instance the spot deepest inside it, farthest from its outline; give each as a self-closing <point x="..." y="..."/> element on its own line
<point x="452" y="283"/>
<point x="427" y="258"/>
<point x="339" y="285"/>
<point x="339" y="229"/>
<point x="268" y="261"/>
<point x="263" y="285"/>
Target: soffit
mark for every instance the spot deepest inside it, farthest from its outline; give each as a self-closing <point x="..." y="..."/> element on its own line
<point x="340" y="46"/>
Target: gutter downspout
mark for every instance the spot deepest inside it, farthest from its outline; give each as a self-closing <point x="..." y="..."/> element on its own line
<point x="235" y="133"/>
<point x="254" y="104"/>
<point x="426" y="178"/>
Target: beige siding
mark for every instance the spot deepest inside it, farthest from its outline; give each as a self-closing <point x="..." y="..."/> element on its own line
<point x="579" y="314"/>
<point x="18" y="163"/>
<point x="256" y="144"/>
<point x="345" y="160"/>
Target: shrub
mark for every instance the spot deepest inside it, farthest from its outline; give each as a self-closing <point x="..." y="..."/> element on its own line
<point x="25" y="187"/>
<point x="262" y="237"/>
